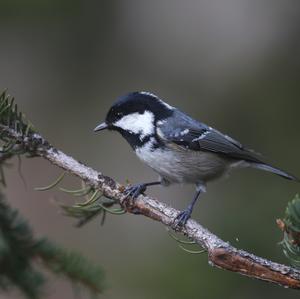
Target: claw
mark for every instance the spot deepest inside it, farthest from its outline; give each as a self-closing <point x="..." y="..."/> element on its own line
<point x="182" y="218"/>
<point x="135" y="190"/>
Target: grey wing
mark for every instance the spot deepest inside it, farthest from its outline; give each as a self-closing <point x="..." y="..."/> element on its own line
<point x="189" y="134"/>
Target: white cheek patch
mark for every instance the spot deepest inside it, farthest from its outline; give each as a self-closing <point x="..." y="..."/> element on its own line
<point x="142" y="124"/>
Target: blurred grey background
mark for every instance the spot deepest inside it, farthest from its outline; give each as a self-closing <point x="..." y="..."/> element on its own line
<point x="234" y="64"/>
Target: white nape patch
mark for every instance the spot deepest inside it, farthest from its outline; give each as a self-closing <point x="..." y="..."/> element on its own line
<point x="201" y="136"/>
<point x="137" y="123"/>
<point x="156" y="97"/>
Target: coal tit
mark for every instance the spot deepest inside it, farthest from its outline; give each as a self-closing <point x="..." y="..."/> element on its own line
<point x="179" y="148"/>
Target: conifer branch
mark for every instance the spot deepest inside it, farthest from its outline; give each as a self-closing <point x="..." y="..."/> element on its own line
<point x="220" y="253"/>
<point x="21" y="253"/>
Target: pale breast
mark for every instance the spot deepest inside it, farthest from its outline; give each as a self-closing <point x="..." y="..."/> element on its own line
<point x="183" y="166"/>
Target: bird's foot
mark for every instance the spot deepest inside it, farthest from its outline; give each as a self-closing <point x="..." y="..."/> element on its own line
<point x="131" y="193"/>
<point x="182" y="218"/>
<point x="135" y="190"/>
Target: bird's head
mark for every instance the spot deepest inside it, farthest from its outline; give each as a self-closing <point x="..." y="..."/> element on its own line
<point x="135" y="116"/>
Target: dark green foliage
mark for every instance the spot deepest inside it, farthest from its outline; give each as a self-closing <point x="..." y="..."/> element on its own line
<point x="12" y="118"/>
<point x="21" y="253"/>
<point x="72" y="265"/>
<point x="292" y="219"/>
<point x="22" y="256"/>
<point x="17" y="252"/>
<point x="291" y="228"/>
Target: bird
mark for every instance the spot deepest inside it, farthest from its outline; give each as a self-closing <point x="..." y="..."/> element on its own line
<point x="177" y="147"/>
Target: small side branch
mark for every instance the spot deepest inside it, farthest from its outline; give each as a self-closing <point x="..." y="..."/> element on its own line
<point x="220" y="253"/>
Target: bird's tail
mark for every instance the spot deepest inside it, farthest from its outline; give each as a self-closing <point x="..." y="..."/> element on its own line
<point x="275" y="170"/>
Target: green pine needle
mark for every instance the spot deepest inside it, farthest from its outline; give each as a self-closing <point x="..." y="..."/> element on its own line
<point x="291" y="228"/>
<point x="12" y="118"/>
<point x="91" y="208"/>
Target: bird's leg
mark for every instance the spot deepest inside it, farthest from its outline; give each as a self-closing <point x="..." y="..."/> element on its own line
<point x="184" y="215"/>
<point x="135" y="190"/>
<point x="132" y="192"/>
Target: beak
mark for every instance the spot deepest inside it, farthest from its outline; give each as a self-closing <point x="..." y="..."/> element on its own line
<point x="101" y="127"/>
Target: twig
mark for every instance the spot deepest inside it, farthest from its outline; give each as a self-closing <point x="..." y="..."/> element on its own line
<point x="220" y="253"/>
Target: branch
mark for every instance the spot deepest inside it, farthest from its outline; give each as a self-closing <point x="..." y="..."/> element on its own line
<point x="220" y="253"/>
